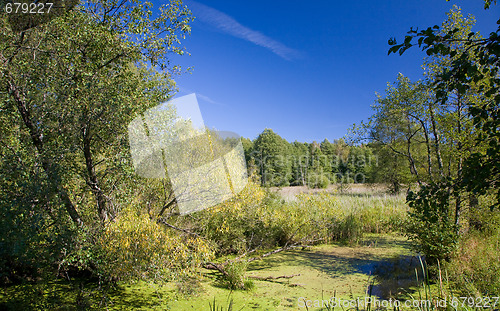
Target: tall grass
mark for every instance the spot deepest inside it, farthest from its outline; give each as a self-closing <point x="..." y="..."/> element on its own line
<point x="377" y="213"/>
<point x="349" y="216"/>
<point x="475" y="265"/>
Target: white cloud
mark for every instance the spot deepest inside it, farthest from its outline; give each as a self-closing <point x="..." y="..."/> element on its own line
<point x="231" y="26"/>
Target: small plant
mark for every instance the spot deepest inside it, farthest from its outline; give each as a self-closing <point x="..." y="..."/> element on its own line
<point x="431" y="224"/>
<point x="234" y="278"/>
<point x="214" y="307"/>
<point x="329" y="306"/>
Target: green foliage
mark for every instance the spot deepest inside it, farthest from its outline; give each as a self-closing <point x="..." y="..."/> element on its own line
<point x="275" y="162"/>
<point x="317" y="180"/>
<point x="135" y="247"/>
<point x="300" y="163"/>
<point x="392" y="169"/>
<point x="360" y="164"/>
<point x="235" y="278"/>
<point x="32" y="238"/>
<point x="215" y="307"/>
<point x="396" y="130"/>
<point x="473" y="67"/>
<point x="65" y="163"/>
<point x="345" y="218"/>
<point x="475" y="266"/>
<point x="431" y="222"/>
<point x="259" y="220"/>
<point x="347" y="230"/>
<point x="275" y="167"/>
<point x="446" y="129"/>
<point x="237" y="224"/>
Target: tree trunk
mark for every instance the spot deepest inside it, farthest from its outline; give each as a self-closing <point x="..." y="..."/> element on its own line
<point x="436" y="140"/>
<point x="50" y="169"/>
<point x="460" y="161"/>
<point x="92" y="177"/>
<point x="413" y="168"/>
<point x="429" y="153"/>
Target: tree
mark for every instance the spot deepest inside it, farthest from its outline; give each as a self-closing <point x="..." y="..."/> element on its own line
<point x="319" y="168"/>
<point x="69" y="88"/>
<point x="465" y="82"/>
<point x="272" y="151"/>
<point x="328" y="149"/>
<point x="463" y="74"/>
<point x="392" y="168"/>
<point x="400" y="125"/>
<point x="340" y="158"/>
<point x="300" y="163"/>
<point x="360" y="163"/>
<point x="252" y="169"/>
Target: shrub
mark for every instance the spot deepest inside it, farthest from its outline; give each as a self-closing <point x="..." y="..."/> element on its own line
<point x="317" y="181"/>
<point x="235" y="278"/>
<point x="135" y="247"/>
<point x="431" y="223"/>
<point x="237" y="224"/>
<point x="253" y="219"/>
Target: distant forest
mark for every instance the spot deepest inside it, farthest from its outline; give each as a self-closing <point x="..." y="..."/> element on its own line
<point x="273" y="161"/>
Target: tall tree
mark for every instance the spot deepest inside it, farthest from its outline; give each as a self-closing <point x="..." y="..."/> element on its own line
<point x="75" y="85"/>
<point x="300" y="162"/>
<point x="474" y="64"/>
<point x="464" y="116"/>
<point x="273" y="159"/>
<point x="69" y="87"/>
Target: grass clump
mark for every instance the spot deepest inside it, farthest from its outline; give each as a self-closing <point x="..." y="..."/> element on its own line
<point x="234" y="278"/>
<point x="215" y="307"/>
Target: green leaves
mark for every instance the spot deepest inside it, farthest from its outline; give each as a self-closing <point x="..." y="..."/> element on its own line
<point x="74" y="84"/>
<point x="431" y="223"/>
<point x="471" y="66"/>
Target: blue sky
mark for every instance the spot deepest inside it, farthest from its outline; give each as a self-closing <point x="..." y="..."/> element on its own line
<point x="307" y="70"/>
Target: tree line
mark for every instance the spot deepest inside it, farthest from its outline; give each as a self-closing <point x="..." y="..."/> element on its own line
<point x="273" y="161"/>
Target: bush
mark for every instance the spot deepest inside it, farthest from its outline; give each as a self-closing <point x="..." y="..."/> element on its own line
<point x="317" y="181"/>
<point x="235" y="278"/>
<point x="431" y="223"/>
<point x="135" y="247"/>
<point x="255" y="219"/>
<point x="237" y="224"/>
